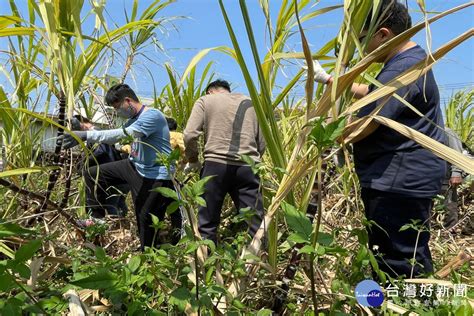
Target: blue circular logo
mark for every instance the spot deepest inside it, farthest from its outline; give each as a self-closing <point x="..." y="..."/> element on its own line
<point x="369" y="293"/>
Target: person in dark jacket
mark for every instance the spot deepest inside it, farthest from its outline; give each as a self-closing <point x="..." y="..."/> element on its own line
<point x="113" y="203"/>
<point x="398" y="177"/>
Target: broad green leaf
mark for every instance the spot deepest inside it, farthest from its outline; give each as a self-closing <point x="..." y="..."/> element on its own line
<point x="298" y="238"/>
<point x="21" y="268"/>
<point x="335" y="129"/>
<point x="101" y="280"/>
<point x="406" y="227"/>
<point x="199" y="187"/>
<point x="27" y="251"/>
<point x="309" y="86"/>
<point x="180" y="297"/>
<point x="200" y="201"/>
<point x="134" y="263"/>
<point x="6" y="283"/>
<point x="465" y="309"/>
<point x="251" y="257"/>
<point x="261" y="101"/>
<point x="320" y="250"/>
<point x="308" y="249"/>
<point x="100" y="254"/>
<point x="172" y="207"/>
<point x="264" y="312"/>
<point x="167" y="192"/>
<point x="216" y="289"/>
<point x="12" y="307"/>
<point x="317" y="132"/>
<point x="155" y="220"/>
<point x="297" y="221"/>
<point x="336" y="249"/>
<point x="324" y="239"/>
<point x="10" y="229"/>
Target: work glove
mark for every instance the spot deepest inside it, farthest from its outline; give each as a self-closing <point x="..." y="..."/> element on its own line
<point x="192" y="167"/>
<point x="126" y="149"/>
<point x="69" y="141"/>
<point x="320" y="75"/>
<point x="75" y="124"/>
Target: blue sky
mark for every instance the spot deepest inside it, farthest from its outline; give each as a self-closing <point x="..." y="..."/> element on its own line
<point x="203" y="27"/>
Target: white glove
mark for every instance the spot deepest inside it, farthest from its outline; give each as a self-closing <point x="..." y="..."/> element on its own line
<point x="320" y="75"/>
<point x="192" y="167"/>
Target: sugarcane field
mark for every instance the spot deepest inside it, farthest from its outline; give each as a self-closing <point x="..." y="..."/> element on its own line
<point x="211" y="157"/>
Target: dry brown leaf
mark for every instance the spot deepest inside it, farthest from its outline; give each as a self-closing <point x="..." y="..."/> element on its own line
<point x="452" y="156"/>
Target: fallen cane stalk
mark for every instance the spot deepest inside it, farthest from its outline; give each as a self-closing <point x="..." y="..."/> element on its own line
<point x="455" y="263"/>
<point x="41" y="199"/>
<point x="75" y="304"/>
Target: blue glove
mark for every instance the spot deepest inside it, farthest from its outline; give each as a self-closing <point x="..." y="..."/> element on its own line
<point x="69" y="141"/>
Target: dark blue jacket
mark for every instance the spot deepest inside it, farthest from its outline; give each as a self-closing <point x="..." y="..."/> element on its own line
<point x="388" y="161"/>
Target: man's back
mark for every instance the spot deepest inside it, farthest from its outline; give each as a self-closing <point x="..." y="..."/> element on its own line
<point x="389" y="161"/>
<point x="230" y="129"/>
<point x="154" y="139"/>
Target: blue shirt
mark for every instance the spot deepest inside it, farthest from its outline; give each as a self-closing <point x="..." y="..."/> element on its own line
<point x="388" y="161"/>
<point x="154" y="139"/>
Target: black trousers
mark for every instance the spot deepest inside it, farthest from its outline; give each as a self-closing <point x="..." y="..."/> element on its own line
<point x="244" y="189"/>
<point x="99" y="180"/>
<point x="112" y="203"/>
<point x="391" y="211"/>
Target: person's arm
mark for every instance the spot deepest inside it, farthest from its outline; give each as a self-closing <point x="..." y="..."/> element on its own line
<point x="360" y="90"/>
<point x="193" y="130"/>
<point x="111" y="136"/>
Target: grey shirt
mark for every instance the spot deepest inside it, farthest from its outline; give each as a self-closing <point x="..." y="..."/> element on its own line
<point x="230" y="127"/>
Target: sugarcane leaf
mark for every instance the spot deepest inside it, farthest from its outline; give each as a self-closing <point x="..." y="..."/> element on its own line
<point x="454" y="157"/>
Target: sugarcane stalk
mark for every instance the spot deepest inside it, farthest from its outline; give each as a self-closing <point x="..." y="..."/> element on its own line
<point x="42" y="199"/>
<point x="58" y="159"/>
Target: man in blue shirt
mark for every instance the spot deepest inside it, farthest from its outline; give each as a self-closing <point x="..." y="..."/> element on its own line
<point x="142" y="173"/>
<point x="398" y="176"/>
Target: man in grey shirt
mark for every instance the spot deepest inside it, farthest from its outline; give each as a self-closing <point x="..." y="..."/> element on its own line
<point x="230" y="127"/>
